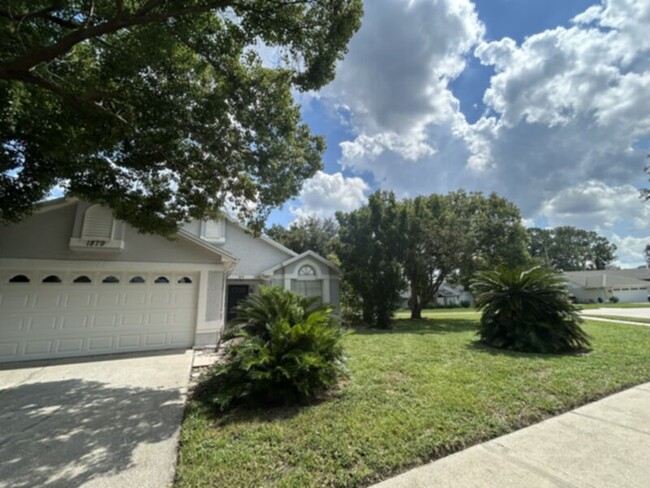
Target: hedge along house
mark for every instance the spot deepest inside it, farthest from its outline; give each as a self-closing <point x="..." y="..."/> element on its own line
<point x="74" y="281"/>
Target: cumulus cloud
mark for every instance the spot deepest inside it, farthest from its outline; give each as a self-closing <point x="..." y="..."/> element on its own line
<point x="567" y="106"/>
<point x="394" y="86"/>
<point x="629" y="250"/>
<point x="565" y="110"/>
<point x="596" y="205"/>
<point x="324" y="194"/>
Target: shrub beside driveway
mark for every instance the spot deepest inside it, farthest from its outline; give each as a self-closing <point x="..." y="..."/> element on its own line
<point x="415" y="393"/>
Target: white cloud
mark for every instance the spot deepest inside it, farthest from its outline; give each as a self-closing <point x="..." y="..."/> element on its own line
<point x="394" y="85"/>
<point x="565" y="109"/>
<point x="566" y="106"/>
<point x="324" y="194"/>
<point x="629" y="250"/>
<point x="595" y="205"/>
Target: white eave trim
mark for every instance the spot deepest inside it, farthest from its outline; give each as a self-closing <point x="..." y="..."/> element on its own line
<point x="262" y="237"/>
<point x="226" y="256"/>
<point x="47" y="205"/>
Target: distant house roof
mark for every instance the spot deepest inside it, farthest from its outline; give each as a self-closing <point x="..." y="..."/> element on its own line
<point x="609" y="278"/>
<point x="448" y="291"/>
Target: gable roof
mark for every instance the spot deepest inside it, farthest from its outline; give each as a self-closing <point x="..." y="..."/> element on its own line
<point x="298" y="257"/>
<point x="225" y="255"/>
<point x="261" y="237"/>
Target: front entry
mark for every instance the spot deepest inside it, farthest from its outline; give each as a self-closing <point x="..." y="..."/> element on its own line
<point x="236" y="293"/>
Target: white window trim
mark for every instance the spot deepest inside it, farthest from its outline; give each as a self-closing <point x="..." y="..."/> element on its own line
<point x="319" y="276"/>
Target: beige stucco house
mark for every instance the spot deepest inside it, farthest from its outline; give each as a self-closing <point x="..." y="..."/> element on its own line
<point x="74" y="281"/>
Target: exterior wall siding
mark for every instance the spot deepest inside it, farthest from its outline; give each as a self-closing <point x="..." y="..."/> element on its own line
<point x="255" y="255"/>
<point x="46" y="235"/>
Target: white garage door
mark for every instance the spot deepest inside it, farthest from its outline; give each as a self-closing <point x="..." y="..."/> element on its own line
<point x="53" y="314"/>
<point x="631" y="295"/>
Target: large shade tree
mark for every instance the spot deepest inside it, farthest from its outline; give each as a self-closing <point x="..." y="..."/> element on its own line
<point x="370" y="249"/>
<point x="307" y="234"/>
<point x="568" y="248"/>
<point x="162" y="109"/>
<point x="451" y="237"/>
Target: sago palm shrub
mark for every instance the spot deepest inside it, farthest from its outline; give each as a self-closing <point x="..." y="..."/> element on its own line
<point x="273" y="303"/>
<point x="527" y="310"/>
<point x="285" y="351"/>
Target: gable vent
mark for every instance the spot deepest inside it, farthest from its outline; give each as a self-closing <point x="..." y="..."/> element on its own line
<point x="98" y="223"/>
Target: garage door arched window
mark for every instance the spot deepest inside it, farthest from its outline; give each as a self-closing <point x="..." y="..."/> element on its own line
<point x="52" y="279"/>
<point x="19" y="279"/>
<point x="82" y="279"/>
<point x="185" y="280"/>
<point x="137" y="279"/>
<point x="161" y="279"/>
<point x="111" y="279"/>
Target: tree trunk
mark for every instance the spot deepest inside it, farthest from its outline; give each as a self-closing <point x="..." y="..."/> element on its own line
<point x="416" y="305"/>
<point x="416" y="312"/>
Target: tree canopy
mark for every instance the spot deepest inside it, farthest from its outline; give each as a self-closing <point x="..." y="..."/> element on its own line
<point x="310" y="233"/>
<point x="388" y="245"/>
<point x="163" y="109"/>
<point x="451" y="237"/>
<point x="568" y="248"/>
<point x="370" y="249"/>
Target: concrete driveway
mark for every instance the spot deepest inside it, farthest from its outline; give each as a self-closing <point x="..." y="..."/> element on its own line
<point x="102" y="422"/>
<point x="631" y="313"/>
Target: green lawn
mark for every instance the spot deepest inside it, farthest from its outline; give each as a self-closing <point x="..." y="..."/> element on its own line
<point x="416" y="393"/>
<point x="435" y="312"/>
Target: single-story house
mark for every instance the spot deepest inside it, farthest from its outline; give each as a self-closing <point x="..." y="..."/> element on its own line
<point x="628" y="285"/>
<point x="453" y="295"/>
<point x="74" y="281"/>
<point x="447" y="295"/>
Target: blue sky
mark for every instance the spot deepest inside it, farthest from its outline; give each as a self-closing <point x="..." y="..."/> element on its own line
<point x="545" y="102"/>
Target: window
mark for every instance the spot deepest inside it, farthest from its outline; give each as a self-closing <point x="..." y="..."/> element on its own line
<point x="98" y="223"/>
<point x="19" y="279"/>
<point x="311" y="288"/>
<point x="111" y="279"/>
<point x="82" y="279"/>
<point x="306" y="270"/>
<point x="185" y="280"/>
<point x="137" y="279"/>
<point x="52" y="279"/>
<point x="161" y="279"/>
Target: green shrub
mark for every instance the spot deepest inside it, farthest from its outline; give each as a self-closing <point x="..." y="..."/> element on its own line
<point x="527" y="310"/>
<point x="254" y="314"/>
<point x="283" y="353"/>
<point x="613" y="299"/>
<point x="465" y="303"/>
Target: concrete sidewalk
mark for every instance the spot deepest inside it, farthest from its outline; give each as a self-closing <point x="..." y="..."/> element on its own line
<point x="604" y="444"/>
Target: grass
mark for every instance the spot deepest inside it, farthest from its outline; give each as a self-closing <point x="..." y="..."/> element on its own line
<point x="415" y="393"/>
<point x="434" y="312"/>
<point x="588" y="306"/>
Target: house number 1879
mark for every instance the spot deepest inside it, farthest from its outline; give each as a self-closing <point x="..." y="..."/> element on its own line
<point x="95" y="243"/>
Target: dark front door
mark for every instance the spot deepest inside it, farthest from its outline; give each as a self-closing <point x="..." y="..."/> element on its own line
<point x="236" y="293"/>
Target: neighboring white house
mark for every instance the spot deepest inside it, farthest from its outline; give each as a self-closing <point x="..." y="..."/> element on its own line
<point x="453" y="295"/>
<point x="74" y="281"/>
<point x="628" y="285"/>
